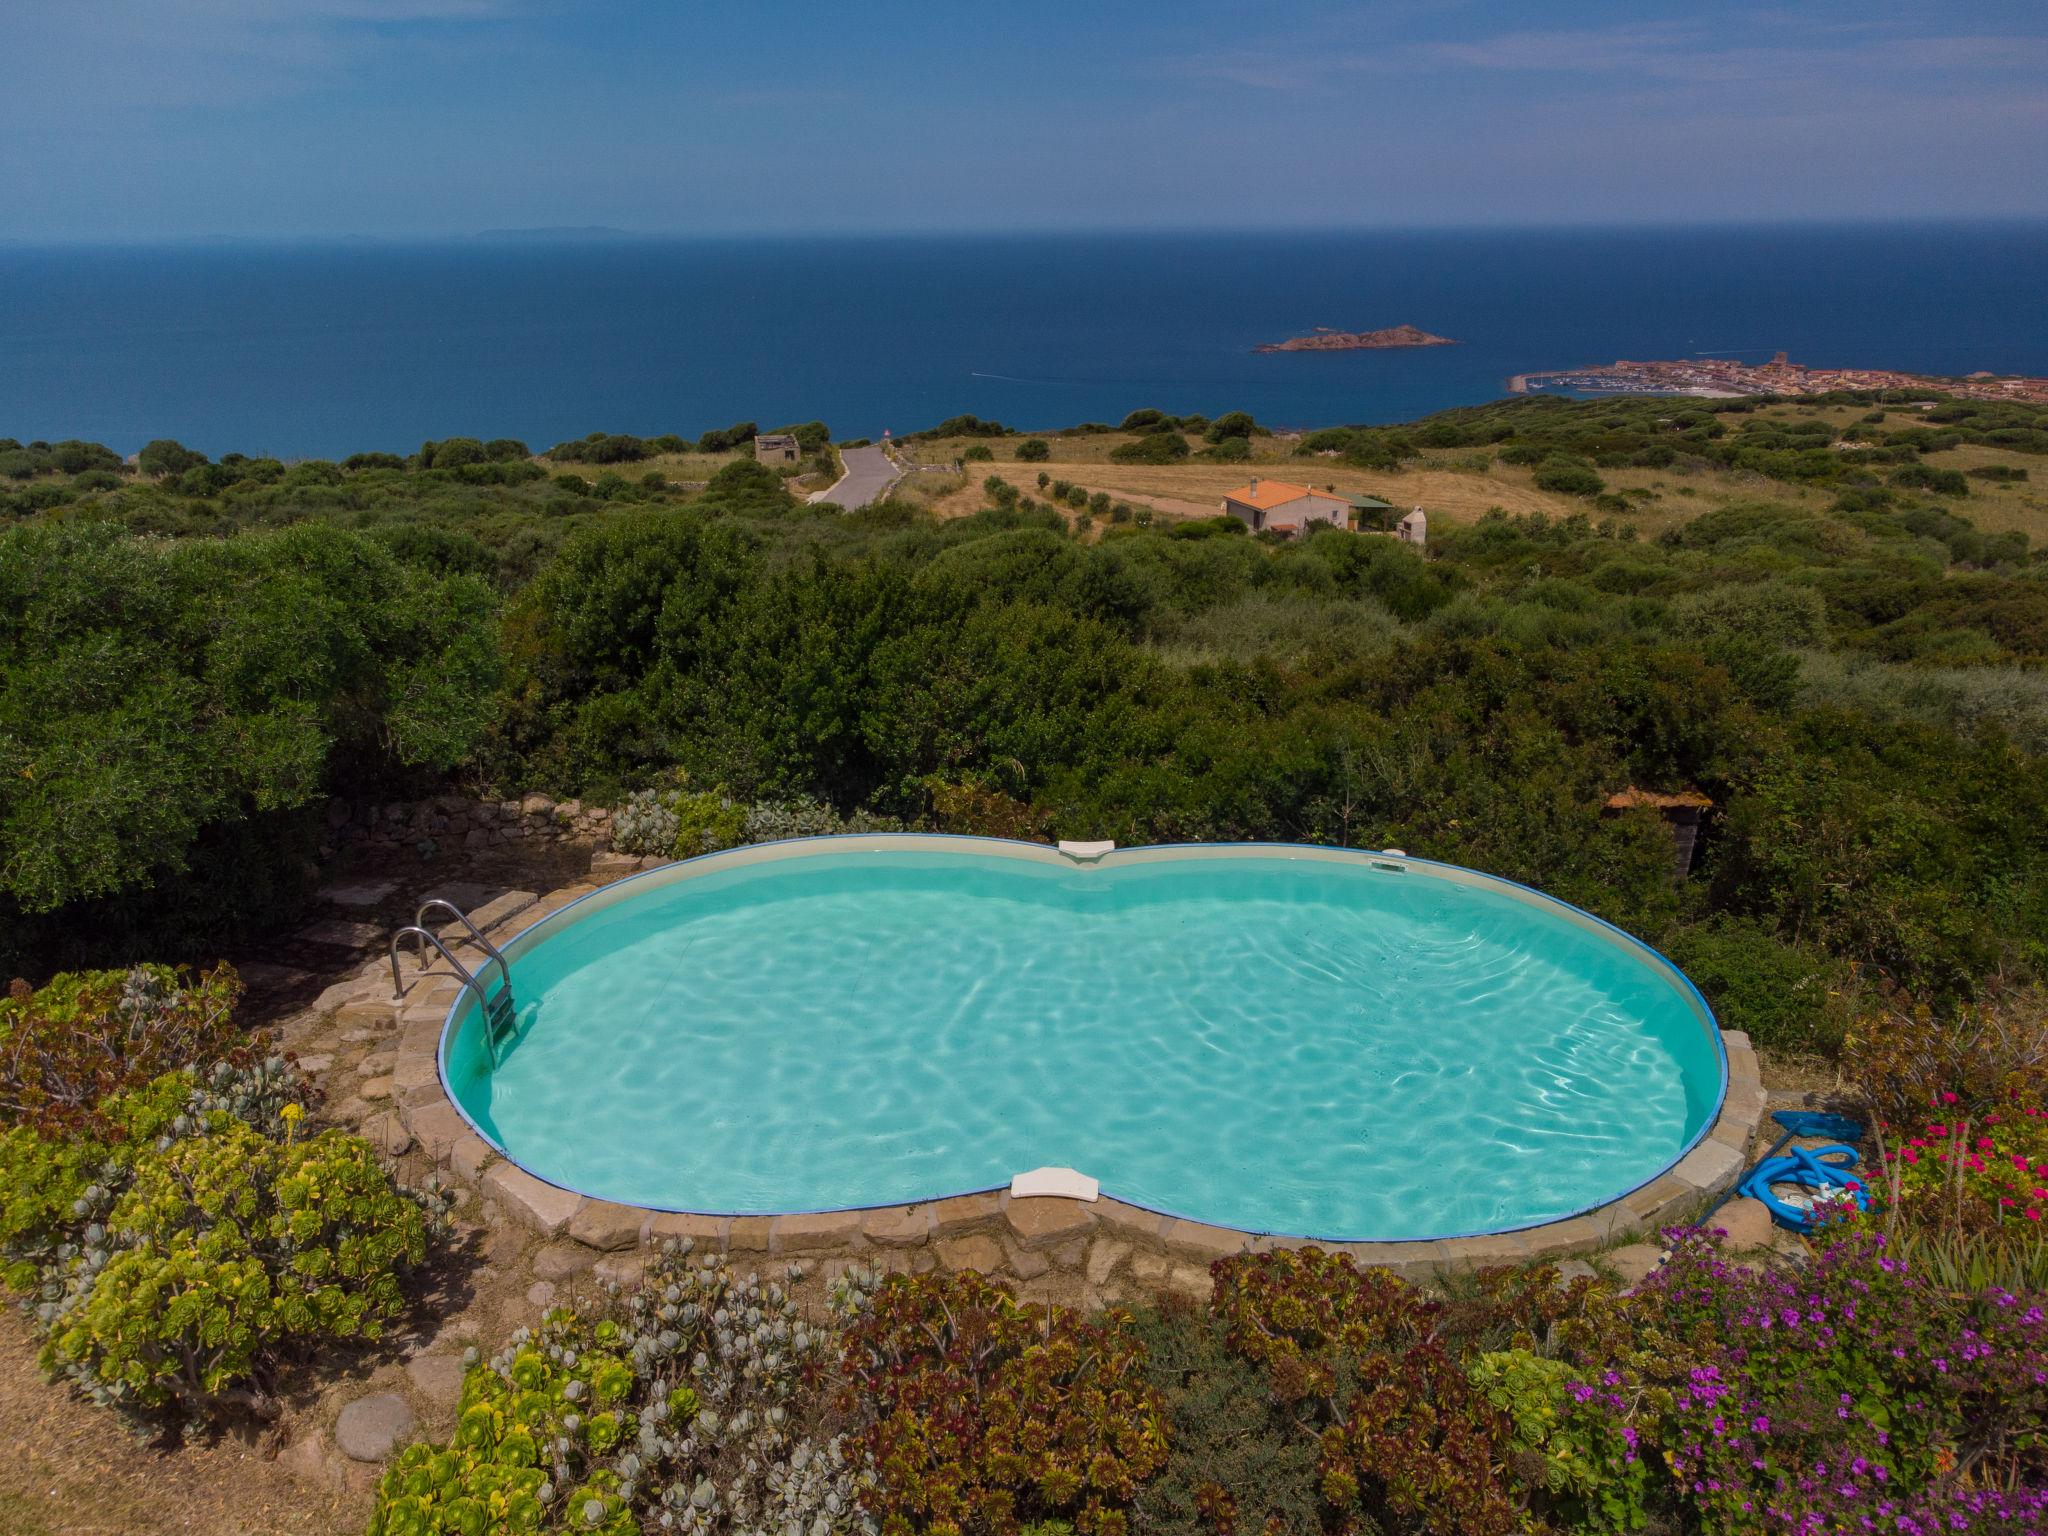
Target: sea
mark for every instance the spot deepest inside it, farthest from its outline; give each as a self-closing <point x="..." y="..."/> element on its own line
<point x="323" y="349"/>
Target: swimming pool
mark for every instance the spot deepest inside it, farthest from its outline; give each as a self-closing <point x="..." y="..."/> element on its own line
<point x="1298" y="1041"/>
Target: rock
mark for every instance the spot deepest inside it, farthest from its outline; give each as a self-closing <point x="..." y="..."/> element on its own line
<point x="371" y="1428"/>
<point x="1044" y="1221"/>
<point x="607" y="1226"/>
<point x="375" y="1088"/>
<point x="310" y="1458"/>
<point x="540" y="1206"/>
<point x="437" y="1127"/>
<point x="558" y="1261"/>
<point x="386" y="1134"/>
<point x="541" y="1294"/>
<point x="622" y="1269"/>
<point x="498" y="909"/>
<point x="1575" y="1269"/>
<point x="1747" y="1222"/>
<point x="1192" y="1280"/>
<point x="898" y="1225"/>
<point x="361" y="893"/>
<point x="1103" y="1258"/>
<point x="1026" y="1264"/>
<point x="315" y="1063"/>
<point x="338" y="934"/>
<point x="1149" y="1269"/>
<point x="1635" y="1263"/>
<point x="437" y="1378"/>
<point x="961" y="1213"/>
<point x="813" y="1233"/>
<point x="471" y="1156"/>
<point x="976" y="1252"/>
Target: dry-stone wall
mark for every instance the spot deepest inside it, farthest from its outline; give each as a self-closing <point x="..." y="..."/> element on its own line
<point x="447" y="823"/>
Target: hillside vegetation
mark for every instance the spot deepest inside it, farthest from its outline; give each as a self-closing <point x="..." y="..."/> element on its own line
<point x="1845" y="647"/>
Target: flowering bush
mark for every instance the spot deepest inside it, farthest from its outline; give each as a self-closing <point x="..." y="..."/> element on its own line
<point x="1850" y="1396"/>
<point x="91" y="1036"/>
<point x="1975" y="1175"/>
<point x="691" y="1405"/>
<point x="987" y="1414"/>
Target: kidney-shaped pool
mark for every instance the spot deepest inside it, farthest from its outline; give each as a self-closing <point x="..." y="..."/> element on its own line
<point x="1304" y="1041"/>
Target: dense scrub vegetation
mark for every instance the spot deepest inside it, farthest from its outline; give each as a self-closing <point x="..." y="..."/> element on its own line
<point x="190" y="664"/>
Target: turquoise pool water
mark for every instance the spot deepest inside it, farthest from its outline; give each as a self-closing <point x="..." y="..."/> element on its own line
<point x="1281" y="1044"/>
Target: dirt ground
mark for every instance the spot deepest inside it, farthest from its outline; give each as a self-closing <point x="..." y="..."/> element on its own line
<point x="72" y="1471"/>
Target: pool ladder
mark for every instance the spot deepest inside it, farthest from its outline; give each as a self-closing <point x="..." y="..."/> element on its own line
<point x="499" y="1013"/>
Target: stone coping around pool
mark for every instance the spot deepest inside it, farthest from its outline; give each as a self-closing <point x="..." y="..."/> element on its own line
<point x="1094" y="1251"/>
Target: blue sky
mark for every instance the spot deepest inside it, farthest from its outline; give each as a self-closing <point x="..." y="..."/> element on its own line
<point x="137" y="119"/>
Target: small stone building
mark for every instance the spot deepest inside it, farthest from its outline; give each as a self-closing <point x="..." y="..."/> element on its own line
<point x="777" y="448"/>
<point x="1284" y="507"/>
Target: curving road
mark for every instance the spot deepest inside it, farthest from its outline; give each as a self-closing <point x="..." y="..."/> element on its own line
<point x="869" y="473"/>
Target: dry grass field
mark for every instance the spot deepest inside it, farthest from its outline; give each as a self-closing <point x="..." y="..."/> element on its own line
<point x="1459" y="486"/>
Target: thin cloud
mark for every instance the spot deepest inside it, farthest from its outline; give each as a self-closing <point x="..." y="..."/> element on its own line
<point x="1677" y="52"/>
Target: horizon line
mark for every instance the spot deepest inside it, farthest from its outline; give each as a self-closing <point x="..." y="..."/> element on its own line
<point x="597" y="234"/>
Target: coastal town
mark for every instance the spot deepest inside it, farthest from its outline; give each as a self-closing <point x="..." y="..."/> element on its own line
<point x="1726" y="378"/>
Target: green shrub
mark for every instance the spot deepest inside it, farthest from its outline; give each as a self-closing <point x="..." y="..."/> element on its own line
<point x="1567" y="476"/>
<point x="1033" y="450"/>
<point x="1167" y="447"/>
<point x="1238" y="1461"/>
<point x="1766" y="612"/>
<point x="987" y="1415"/>
<point x="531" y="1446"/>
<point x="227" y="1249"/>
<point x="1922" y="477"/>
<point x="978" y="453"/>
<point x="1407" y="1443"/>
<point x="1783" y="996"/>
<point x="1592" y="1477"/>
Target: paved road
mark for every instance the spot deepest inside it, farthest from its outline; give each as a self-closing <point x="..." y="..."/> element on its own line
<point x="868" y="474"/>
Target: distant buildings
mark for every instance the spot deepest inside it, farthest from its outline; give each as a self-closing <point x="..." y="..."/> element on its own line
<point x="777" y="448"/>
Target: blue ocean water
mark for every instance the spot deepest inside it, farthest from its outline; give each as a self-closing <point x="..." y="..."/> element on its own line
<point x="313" y="350"/>
<point x="1288" y="1045"/>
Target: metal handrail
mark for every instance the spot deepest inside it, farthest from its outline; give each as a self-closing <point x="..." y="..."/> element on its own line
<point x="462" y="917"/>
<point x="483" y="1000"/>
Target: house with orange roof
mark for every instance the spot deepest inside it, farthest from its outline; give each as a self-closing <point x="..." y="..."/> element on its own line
<point x="1286" y="508"/>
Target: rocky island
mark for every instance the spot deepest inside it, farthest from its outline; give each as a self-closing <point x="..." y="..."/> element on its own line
<point x="1323" y="339"/>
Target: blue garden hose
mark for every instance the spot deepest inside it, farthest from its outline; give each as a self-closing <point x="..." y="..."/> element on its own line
<point x="1818" y="1168"/>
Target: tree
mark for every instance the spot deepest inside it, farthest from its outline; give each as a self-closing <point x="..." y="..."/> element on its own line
<point x="157" y="690"/>
<point x="1235" y="424"/>
<point x="1568" y="477"/>
<point x="1034" y="450"/>
<point x="1154" y="448"/>
<point x="167" y="456"/>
